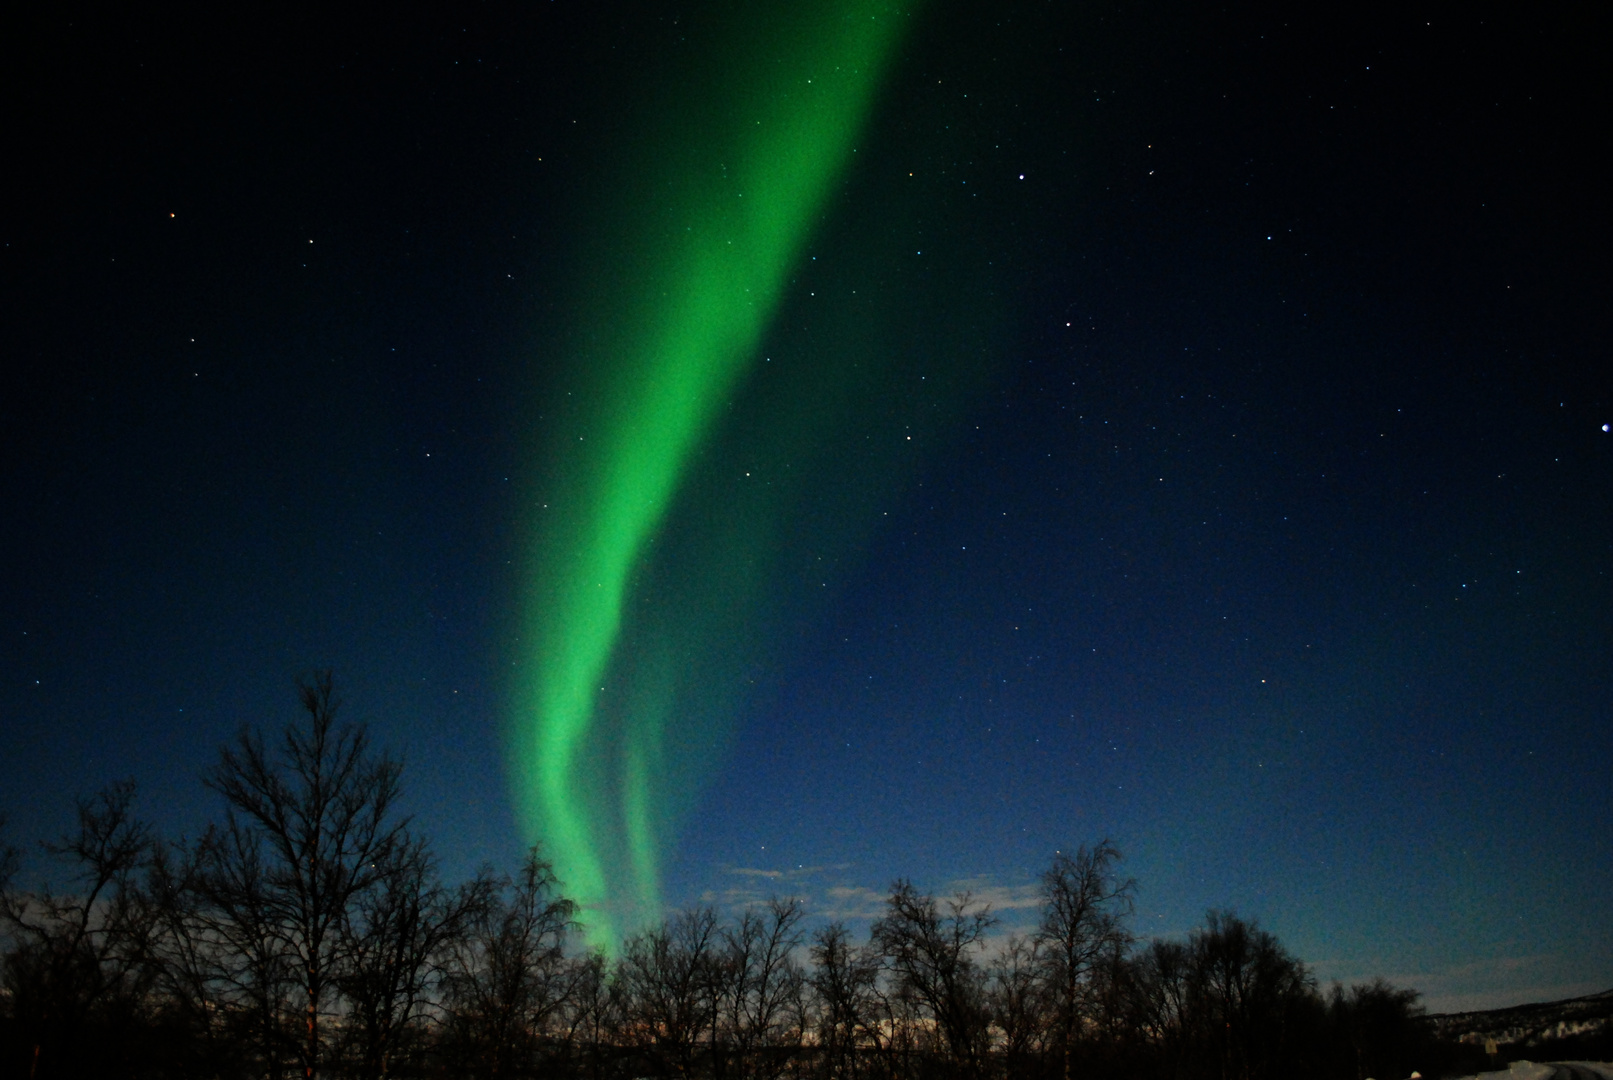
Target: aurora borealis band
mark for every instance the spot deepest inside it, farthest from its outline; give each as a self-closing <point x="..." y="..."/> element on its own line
<point x="729" y="179"/>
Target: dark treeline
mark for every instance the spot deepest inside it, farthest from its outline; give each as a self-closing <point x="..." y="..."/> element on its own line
<point x="309" y="933"/>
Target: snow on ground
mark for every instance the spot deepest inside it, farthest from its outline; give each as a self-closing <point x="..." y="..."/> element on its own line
<point x="1518" y="1070"/>
<point x="1529" y="1070"/>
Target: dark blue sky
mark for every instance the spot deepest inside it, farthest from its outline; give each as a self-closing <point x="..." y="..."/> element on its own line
<point x="1272" y="541"/>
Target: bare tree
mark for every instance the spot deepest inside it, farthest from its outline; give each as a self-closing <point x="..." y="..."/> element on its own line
<point x="1110" y="1015"/>
<point x="76" y="953"/>
<point x="1084" y="906"/>
<point x="310" y="825"/>
<point x="844" y="981"/>
<point x="506" y="977"/>
<point x="246" y="940"/>
<point x="1249" y="992"/>
<point x="1161" y="986"/>
<point x="762" y="993"/>
<point x="932" y="953"/>
<point x="1018" y="1002"/>
<point x="394" y="938"/>
<point x="188" y="960"/>
<point x="1380" y="1026"/>
<point x="9" y="858"/>
<point x="593" y="1009"/>
<point x="671" y="983"/>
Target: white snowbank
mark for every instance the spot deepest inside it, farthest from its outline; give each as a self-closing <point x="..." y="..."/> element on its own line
<point x="1520" y="1070"/>
<point x="1529" y="1070"/>
<point x="1604" y="1069"/>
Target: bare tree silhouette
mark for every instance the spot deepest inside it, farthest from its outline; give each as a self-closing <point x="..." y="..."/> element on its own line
<point x="933" y="954"/>
<point x="82" y="951"/>
<point x="310" y="828"/>
<point x="1084" y="907"/>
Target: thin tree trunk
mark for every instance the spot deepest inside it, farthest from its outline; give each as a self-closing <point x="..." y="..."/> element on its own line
<point x="313" y="1032"/>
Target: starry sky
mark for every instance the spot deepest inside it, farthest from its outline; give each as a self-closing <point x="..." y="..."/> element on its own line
<point x="1179" y="424"/>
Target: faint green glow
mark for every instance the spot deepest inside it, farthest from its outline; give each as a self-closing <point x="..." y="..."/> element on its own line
<point x="688" y="272"/>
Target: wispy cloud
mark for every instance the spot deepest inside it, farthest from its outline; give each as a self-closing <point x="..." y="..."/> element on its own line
<point x="853" y="902"/>
<point x="1001" y="897"/>
<point x="822" y="890"/>
<point x="832" y="891"/>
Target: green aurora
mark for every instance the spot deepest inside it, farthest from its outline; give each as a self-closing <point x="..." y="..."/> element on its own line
<point x="672" y="520"/>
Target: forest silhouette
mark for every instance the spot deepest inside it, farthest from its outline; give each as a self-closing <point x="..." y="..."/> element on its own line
<point x="309" y="932"/>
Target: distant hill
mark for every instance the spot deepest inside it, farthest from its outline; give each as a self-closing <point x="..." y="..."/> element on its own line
<point x="1581" y="1023"/>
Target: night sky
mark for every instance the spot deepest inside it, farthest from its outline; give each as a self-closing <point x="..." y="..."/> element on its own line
<point x="1180" y="424"/>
